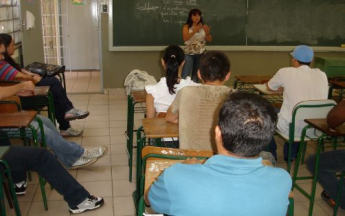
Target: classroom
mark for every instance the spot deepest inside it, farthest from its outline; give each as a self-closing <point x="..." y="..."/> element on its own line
<point x="257" y="36"/>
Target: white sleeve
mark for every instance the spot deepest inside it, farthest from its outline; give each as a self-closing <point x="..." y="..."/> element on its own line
<point x="276" y="81"/>
<point x="150" y="89"/>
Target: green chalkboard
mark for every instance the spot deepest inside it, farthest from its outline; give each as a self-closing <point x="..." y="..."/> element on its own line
<point x="233" y="22"/>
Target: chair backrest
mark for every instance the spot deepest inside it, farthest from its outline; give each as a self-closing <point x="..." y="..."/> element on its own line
<point x="10" y="104"/>
<point x="311" y="109"/>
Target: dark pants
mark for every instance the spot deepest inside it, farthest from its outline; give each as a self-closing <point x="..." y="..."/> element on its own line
<point x="294" y="149"/>
<point x="21" y="159"/>
<point x="61" y="102"/>
<point x="330" y="163"/>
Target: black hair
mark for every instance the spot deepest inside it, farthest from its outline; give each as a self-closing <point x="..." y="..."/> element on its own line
<point x="247" y="122"/>
<point x="7" y="39"/>
<point x="191" y="13"/>
<point x="173" y="57"/>
<point x="304" y="63"/>
<point x="214" y="66"/>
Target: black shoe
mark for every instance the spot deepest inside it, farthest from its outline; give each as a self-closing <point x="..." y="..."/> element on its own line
<point x="20" y="188"/>
<point x="292" y="159"/>
<point x="327" y="199"/>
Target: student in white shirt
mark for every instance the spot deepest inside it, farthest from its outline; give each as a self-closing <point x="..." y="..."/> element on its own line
<point x="160" y="96"/>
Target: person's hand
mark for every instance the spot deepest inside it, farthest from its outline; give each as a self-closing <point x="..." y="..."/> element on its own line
<point x="28" y="73"/>
<point x="198" y="27"/>
<point x="28" y="86"/>
<point x="191" y="161"/>
<point x="37" y="78"/>
<point x="207" y="29"/>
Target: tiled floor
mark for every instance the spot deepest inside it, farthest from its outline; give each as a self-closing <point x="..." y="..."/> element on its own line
<point x="83" y="81"/>
<point x="109" y="176"/>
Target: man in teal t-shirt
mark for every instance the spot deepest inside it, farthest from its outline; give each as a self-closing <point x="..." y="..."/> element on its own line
<point x="234" y="182"/>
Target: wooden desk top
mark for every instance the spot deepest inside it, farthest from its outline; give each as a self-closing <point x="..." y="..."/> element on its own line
<point x="321" y="124"/>
<point x="159" y="128"/>
<point x="263" y="90"/>
<point x="20" y="119"/>
<point x="338" y="83"/>
<point x="139" y="96"/>
<point x="253" y="78"/>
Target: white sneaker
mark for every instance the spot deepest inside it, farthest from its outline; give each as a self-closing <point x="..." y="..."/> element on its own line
<point x="98" y="152"/>
<point x="71" y="132"/>
<point x="90" y="203"/>
<point x="74" y="114"/>
<point x="82" y="162"/>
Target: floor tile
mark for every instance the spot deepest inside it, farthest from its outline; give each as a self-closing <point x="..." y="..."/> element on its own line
<point x="94" y="174"/>
<point x="124" y="206"/>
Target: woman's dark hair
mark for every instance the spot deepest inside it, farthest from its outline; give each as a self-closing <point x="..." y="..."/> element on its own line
<point x="191" y="13"/>
<point x="173" y="57"/>
<point x="7" y="39"/>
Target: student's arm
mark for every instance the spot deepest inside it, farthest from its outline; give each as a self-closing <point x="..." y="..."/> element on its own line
<point x="21" y="76"/>
<point x="280" y="89"/>
<point x="336" y="116"/>
<point x="276" y="82"/>
<point x="28" y="73"/>
<point x="12" y="90"/>
<point x="150" y="109"/>
<point x="171" y="117"/>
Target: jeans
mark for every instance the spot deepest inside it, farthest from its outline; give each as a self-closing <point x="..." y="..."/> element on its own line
<point x="67" y="152"/>
<point x="61" y="102"/>
<point x="330" y="163"/>
<point x="192" y="63"/>
<point x="21" y="159"/>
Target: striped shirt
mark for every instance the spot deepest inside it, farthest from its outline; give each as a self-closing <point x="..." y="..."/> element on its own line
<point x="7" y="72"/>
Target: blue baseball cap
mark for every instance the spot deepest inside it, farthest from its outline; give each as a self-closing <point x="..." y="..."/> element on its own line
<point x="303" y="53"/>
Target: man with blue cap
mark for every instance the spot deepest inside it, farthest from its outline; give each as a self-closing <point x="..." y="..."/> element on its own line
<point x="300" y="83"/>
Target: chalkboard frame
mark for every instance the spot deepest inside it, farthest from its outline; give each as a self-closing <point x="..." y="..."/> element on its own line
<point x="209" y="47"/>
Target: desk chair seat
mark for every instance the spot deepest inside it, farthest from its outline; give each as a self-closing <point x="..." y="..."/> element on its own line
<point x="310" y="109"/>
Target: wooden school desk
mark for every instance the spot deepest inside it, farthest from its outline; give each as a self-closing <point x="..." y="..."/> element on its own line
<point x="245" y="82"/>
<point x="154" y="128"/>
<point x="336" y="84"/>
<point x="320" y="124"/>
<point x="275" y="97"/>
<point x="134" y="98"/>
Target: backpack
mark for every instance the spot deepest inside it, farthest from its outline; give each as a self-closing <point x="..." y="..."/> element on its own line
<point x="136" y="80"/>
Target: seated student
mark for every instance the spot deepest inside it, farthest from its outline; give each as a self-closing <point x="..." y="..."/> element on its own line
<point x="331" y="162"/>
<point x="195" y="108"/>
<point x="21" y="159"/>
<point x="160" y="96"/>
<point x="300" y="83"/>
<point x="64" y="110"/>
<point x="233" y="182"/>
<point x="70" y="154"/>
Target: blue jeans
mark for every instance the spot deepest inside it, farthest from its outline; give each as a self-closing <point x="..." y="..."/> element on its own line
<point x="330" y="163"/>
<point x="21" y="159"/>
<point x="191" y="64"/>
<point x="67" y="152"/>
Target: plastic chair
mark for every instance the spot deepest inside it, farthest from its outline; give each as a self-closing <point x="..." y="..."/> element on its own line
<point x="310" y="109"/>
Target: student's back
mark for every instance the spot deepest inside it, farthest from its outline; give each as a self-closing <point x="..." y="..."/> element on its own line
<point x="198" y="108"/>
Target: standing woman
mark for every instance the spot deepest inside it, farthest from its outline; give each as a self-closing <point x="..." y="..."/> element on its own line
<point x="64" y="109"/>
<point x="195" y="34"/>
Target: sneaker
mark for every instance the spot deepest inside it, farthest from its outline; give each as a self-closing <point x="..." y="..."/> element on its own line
<point x="95" y="152"/>
<point x="82" y="162"/>
<point x="20" y="188"/>
<point x="74" y="114"/>
<point x="90" y="203"/>
<point x="327" y="199"/>
<point x="71" y="132"/>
